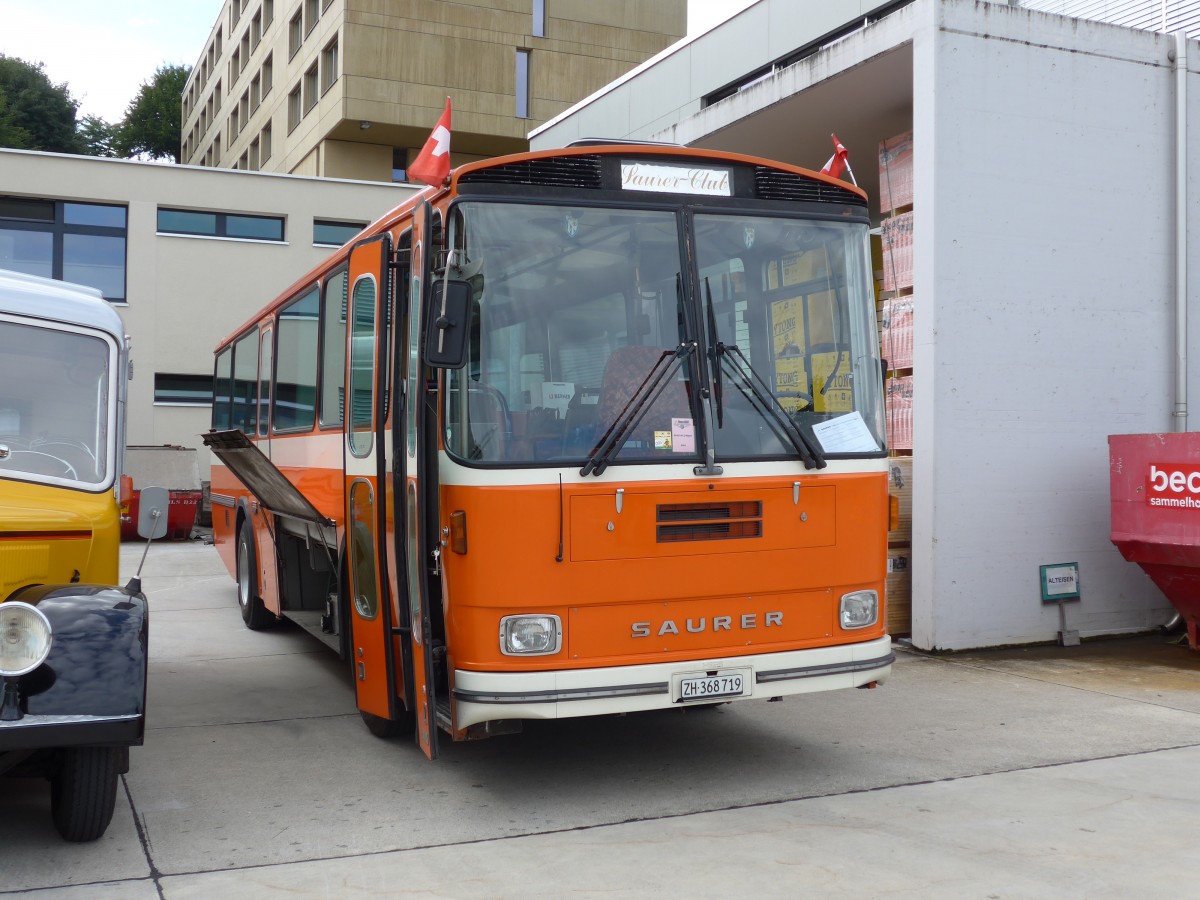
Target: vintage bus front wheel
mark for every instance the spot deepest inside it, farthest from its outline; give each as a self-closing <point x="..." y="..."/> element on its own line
<point x="254" y="614"/>
<point x="83" y="791"/>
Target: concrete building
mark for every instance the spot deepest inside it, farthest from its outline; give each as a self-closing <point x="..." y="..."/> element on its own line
<point x="185" y="254"/>
<point x="351" y="88"/>
<point x="1052" y="298"/>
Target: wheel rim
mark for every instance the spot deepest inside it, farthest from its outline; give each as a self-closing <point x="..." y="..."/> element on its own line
<point x="243" y="575"/>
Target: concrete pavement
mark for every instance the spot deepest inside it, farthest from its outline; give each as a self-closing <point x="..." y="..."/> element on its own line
<point x="1044" y="772"/>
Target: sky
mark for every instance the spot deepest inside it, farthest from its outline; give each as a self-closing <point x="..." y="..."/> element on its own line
<point x="106" y="49"/>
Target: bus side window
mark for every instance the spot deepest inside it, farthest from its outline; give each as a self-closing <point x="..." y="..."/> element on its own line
<point x="245" y="383"/>
<point x="333" y="349"/>
<point x="222" y="411"/>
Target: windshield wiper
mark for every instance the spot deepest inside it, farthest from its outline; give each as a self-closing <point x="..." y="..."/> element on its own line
<point x="635" y="408"/>
<point x="809" y="452"/>
<point x="716" y="352"/>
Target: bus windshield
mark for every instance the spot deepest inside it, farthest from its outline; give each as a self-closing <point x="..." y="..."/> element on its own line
<point x="589" y="329"/>
<point x="57" y="428"/>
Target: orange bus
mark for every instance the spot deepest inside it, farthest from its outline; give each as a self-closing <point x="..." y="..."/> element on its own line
<point x="577" y="432"/>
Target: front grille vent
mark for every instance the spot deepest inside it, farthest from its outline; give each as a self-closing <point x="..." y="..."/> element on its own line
<point x="557" y="171"/>
<point x="709" y="521"/>
<point x="771" y="184"/>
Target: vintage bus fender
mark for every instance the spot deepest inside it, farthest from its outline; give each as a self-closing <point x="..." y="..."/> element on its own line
<point x="91" y="690"/>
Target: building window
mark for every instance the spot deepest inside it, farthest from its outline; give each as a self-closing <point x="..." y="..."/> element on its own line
<point x="295" y="113"/>
<point x="310" y="88"/>
<point x="295" y="33"/>
<point x="334" y="234"/>
<point x="312" y="11"/>
<point x="329" y="65"/>
<point x="522" y="111"/>
<point x="234" y="124"/>
<point x="244" y="162"/>
<point x="204" y="223"/>
<point x="267" y="75"/>
<point x="539" y="18"/>
<point x="255" y="91"/>
<point x="245" y="48"/>
<point x="268" y="13"/>
<point x="235" y="66"/>
<point x="265" y="143"/>
<point x="256" y="29"/>
<point x="183" y="390"/>
<point x="399" y="164"/>
<point x="254" y="145"/>
<point x="80" y="242"/>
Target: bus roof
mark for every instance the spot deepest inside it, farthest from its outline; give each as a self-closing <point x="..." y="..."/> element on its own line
<point x="57" y="301"/>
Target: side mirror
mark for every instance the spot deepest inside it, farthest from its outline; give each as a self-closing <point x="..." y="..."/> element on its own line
<point x="449" y="324"/>
<point x="152" y="512"/>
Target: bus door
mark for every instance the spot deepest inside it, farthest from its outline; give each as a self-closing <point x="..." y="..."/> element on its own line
<point x="366" y="361"/>
<point x="418" y="461"/>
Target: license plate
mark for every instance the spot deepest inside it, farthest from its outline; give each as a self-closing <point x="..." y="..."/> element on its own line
<point x="715" y="686"/>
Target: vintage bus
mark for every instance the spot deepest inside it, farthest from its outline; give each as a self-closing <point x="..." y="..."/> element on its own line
<point x="577" y="432"/>
<point x="72" y="643"/>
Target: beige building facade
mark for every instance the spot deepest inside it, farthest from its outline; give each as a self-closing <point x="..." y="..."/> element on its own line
<point x="352" y="88"/>
<point x="185" y="255"/>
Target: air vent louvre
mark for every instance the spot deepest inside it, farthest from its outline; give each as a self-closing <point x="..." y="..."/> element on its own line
<point x="558" y="171"/>
<point x="771" y="184"/>
<point x="709" y="521"/>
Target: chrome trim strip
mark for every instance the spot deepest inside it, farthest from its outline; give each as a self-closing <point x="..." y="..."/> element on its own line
<point x="629" y="690"/>
<point x="223" y="500"/>
<point x="29" y="721"/>
<point x="829" y="669"/>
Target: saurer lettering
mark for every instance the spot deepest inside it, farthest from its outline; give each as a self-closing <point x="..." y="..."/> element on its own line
<point x="744" y="622"/>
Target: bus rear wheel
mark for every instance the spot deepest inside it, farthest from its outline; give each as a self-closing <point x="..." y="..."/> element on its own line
<point x="83" y="792"/>
<point x="389" y="728"/>
<point x="254" y="614"/>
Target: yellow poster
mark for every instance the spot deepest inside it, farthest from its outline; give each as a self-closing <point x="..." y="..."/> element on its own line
<point x="836" y="395"/>
<point x="787" y="336"/>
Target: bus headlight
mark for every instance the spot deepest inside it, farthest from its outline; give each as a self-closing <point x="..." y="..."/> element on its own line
<point x="530" y="635"/>
<point x="858" y="609"/>
<point x="25" y="638"/>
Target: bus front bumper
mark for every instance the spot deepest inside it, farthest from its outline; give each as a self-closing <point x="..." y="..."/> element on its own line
<point x="489" y="696"/>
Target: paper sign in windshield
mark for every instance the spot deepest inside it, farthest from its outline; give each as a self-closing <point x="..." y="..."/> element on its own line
<point x="845" y="434"/>
<point x="683" y="436"/>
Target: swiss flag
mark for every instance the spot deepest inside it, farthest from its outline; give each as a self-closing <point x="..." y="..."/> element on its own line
<point x="839" y="161"/>
<point x="432" y="164"/>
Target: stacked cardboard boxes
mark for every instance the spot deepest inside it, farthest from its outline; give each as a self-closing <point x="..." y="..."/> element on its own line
<point x="896" y="312"/>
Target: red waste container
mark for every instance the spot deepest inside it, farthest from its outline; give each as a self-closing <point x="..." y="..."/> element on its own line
<point x="1154" y="482"/>
<point x="182" y="507"/>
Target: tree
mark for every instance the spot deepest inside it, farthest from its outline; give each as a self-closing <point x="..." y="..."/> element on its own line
<point x="44" y="112"/>
<point x="11" y="134"/>
<point x="153" y="121"/>
<point x="97" y="137"/>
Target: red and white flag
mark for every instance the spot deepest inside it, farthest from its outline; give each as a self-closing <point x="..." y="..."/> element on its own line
<point x="839" y="162"/>
<point x="432" y="164"/>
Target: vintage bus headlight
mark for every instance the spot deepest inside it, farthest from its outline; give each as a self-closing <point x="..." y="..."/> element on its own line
<point x="858" y="609"/>
<point x="25" y="638"/>
<point x="530" y="635"/>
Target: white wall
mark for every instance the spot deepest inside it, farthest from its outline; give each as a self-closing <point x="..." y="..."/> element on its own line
<point x="1044" y="212"/>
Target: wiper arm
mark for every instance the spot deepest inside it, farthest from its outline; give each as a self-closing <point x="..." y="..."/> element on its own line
<point x="635" y="409"/>
<point x="717" y="351"/>
<point x="809" y="453"/>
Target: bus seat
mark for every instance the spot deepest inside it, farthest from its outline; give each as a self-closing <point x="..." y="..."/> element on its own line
<point x="624" y="373"/>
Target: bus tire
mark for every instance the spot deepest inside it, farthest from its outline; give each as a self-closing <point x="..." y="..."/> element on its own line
<point x="83" y="792"/>
<point x="389" y="728"/>
<point x="254" y="614"/>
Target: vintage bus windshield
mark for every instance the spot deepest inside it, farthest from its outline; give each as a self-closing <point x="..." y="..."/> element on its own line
<point x="586" y="317"/>
<point x="58" y="428"/>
